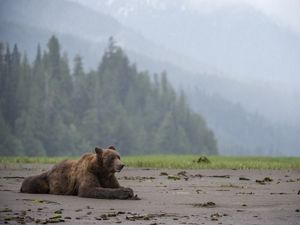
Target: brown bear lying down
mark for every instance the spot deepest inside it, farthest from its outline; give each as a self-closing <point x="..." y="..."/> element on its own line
<point x="92" y="176"/>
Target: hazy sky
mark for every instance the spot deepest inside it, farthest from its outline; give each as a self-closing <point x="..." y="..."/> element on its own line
<point x="286" y="12"/>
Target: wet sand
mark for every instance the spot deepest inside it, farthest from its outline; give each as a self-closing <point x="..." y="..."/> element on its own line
<point x="167" y="197"/>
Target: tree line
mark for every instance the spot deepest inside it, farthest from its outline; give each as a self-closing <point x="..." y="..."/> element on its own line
<point x="46" y="108"/>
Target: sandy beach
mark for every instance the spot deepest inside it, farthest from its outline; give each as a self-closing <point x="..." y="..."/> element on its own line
<point x="166" y="197"/>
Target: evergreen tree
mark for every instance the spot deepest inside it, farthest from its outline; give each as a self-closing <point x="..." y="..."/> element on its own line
<point x="54" y="57"/>
<point x="80" y="101"/>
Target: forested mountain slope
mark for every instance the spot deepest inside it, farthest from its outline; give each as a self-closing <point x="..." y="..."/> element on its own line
<point x="85" y="31"/>
<point x="48" y="110"/>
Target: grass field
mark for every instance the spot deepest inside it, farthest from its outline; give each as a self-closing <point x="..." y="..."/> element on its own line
<point x="182" y="162"/>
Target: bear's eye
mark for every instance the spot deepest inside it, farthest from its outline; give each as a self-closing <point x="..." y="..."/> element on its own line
<point x="110" y="159"/>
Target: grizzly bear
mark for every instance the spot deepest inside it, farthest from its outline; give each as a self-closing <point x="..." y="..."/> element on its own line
<point x="92" y="176"/>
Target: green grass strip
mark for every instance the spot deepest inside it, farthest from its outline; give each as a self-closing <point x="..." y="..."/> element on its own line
<point x="181" y="161"/>
<point x="216" y="162"/>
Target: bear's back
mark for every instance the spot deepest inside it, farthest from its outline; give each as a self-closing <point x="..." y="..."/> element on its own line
<point x="62" y="178"/>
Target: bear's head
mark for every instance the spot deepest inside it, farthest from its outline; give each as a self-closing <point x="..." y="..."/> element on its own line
<point x="109" y="159"/>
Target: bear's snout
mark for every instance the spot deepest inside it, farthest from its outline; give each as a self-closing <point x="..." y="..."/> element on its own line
<point x="119" y="165"/>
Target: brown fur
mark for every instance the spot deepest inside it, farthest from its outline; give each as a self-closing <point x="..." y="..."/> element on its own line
<point x="92" y="176"/>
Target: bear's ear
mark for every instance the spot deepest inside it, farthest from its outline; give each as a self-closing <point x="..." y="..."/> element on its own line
<point x="98" y="151"/>
<point x="111" y="147"/>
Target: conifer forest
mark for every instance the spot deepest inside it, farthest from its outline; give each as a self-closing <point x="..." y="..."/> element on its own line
<point x="54" y="107"/>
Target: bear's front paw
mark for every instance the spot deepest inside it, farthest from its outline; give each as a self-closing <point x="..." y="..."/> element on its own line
<point x="125" y="193"/>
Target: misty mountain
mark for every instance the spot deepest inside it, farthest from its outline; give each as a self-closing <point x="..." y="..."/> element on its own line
<point x="92" y="29"/>
<point x="61" y="17"/>
<point x="68" y="20"/>
<point x="38" y="20"/>
<point x="238" y="40"/>
<point x="28" y="37"/>
<point x="241" y="132"/>
<point x="85" y="31"/>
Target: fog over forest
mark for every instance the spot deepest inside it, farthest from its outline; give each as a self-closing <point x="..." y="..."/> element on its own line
<point x="237" y="63"/>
